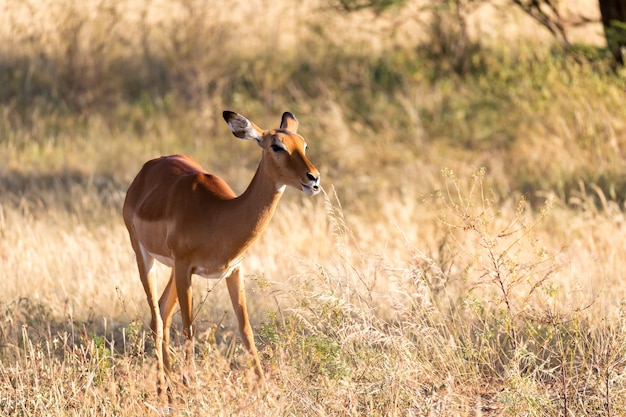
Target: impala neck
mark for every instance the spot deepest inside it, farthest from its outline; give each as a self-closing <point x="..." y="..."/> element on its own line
<point x="259" y="201"/>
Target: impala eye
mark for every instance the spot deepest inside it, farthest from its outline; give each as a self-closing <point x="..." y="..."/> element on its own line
<point x="278" y="148"/>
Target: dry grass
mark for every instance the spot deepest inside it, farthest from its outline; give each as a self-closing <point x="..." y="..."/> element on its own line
<point x="418" y="284"/>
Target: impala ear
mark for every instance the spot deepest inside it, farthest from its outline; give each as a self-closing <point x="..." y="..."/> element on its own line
<point x="242" y="127"/>
<point x="289" y="122"/>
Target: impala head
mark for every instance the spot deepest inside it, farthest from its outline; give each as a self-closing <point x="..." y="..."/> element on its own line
<point x="283" y="148"/>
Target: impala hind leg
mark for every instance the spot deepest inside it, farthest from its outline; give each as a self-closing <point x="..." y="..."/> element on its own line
<point x="236" y="290"/>
<point x="147" y="274"/>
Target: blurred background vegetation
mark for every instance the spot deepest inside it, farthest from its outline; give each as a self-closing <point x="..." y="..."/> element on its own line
<point x="388" y="91"/>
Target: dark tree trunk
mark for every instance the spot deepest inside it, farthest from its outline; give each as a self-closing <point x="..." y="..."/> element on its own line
<point x="614" y="21"/>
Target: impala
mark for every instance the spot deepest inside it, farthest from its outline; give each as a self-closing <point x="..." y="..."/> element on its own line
<point x="192" y="221"/>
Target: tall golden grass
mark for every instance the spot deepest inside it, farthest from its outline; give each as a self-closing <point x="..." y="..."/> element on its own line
<point x="465" y="257"/>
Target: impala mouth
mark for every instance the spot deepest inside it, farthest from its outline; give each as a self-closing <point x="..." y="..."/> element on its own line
<point x="311" y="189"/>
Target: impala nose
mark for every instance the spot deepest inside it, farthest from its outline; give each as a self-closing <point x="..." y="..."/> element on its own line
<point x="314" y="182"/>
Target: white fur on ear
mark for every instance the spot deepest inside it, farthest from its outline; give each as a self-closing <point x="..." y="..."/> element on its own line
<point x="243" y="129"/>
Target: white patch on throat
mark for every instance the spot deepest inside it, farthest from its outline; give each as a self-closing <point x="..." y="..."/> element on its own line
<point x="280" y="188"/>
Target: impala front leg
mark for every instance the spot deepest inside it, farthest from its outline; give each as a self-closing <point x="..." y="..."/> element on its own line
<point x="236" y="290"/>
<point x="167" y="302"/>
<point x="182" y="278"/>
